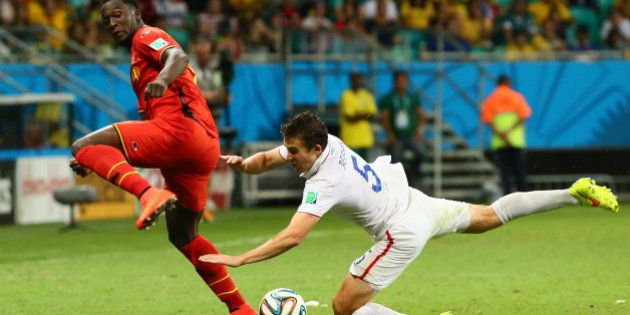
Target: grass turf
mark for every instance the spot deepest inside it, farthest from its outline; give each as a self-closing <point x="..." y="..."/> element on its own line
<point x="570" y="261"/>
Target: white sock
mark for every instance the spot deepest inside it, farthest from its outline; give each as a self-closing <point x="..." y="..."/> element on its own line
<point x="375" y="309"/>
<point x="520" y="204"/>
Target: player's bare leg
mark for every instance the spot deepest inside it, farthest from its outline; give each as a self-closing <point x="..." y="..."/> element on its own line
<point x="352" y="294"/>
<point x="102" y="152"/>
<point x="354" y="297"/>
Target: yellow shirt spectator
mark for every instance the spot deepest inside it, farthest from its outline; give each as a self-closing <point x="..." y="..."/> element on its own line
<point x="541" y="10"/>
<point x="356" y="107"/>
<point x="56" y="19"/>
<point x="476" y="30"/>
<point x="417" y="14"/>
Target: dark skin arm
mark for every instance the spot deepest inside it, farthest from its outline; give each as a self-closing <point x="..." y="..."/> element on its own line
<point x="175" y="62"/>
<point x="359" y="117"/>
<point x="391" y="139"/>
<point x="422" y="119"/>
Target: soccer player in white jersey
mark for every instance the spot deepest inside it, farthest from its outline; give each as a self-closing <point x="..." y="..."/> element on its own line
<point x="376" y="196"/>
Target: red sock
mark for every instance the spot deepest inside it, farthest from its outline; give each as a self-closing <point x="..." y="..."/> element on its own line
<point x="215" y="276"/>
<point x="110" y="164"/>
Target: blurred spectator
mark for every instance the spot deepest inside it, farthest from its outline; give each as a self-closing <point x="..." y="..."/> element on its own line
<point x="212" y="19"/>
<point x="505" y="111"/>
<point x="475" y="26"/>
<point x="285" y="19"/>
<point x="231" y="45"/>
<point x="624" y="7"/>
<point x="616" y="21"/>
<point x="582" y="41"/>
<point x="318" y="28"/>
<point x="175" y="14"/>
<point x="549" y="39"/>
<point x="254" y="6"/>
<point x="417" y="14"/>
<point x="356" y="111"/>
<point x="49" y="13"/>
<point x="517" y="19"/>
<point x="403" y="120"/>
<point x="261" y="38"/>
<point x="541" y="10"/>
<point x="454" y="9"/>
<point x="7" y="13"/>
<point x="349" y="29"/>
<point x="348" y="16"/>
<point x="287" y="16"/>
<point x="519" y="48"/>
<point x="384" y="25"/>
<point x="206" y="64"/>
<point x="449" y="21"/>
<point x="370" y="10"/>
<point x="616" y="41"/>
<point x="147" y="7"/>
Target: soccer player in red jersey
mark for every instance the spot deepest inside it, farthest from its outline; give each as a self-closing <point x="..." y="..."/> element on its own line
<point x="178" y="136"/>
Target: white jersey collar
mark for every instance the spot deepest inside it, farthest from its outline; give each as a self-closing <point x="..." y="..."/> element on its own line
<point x="318" y="163"/>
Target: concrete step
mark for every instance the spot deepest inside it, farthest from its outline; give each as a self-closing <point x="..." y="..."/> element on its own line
<point x="472" y="180"/>
<point x="465" y="167"/>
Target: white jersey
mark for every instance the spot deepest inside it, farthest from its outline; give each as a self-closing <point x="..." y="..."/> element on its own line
<point x="371" y="195"/>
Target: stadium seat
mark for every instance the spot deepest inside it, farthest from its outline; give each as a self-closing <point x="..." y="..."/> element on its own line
<point x="72" y="196"/>
<point x="604" y="8"/>
<point x="589" y="18"/>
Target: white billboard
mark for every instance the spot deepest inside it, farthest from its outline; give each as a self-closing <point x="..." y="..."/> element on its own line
<point x="36" y="179"/>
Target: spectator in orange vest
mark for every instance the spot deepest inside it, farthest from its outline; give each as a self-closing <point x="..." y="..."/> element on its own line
<point x="505" y="111"/>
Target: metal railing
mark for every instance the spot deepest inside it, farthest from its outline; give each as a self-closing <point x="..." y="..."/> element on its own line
<point x="60" y="75"/>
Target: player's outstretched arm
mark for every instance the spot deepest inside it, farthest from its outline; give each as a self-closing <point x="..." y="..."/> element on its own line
<point x="288" y="238"/>
<point x="257" y="163"/>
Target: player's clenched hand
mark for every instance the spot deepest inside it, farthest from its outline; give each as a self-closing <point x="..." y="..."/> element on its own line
<point x="78" y="168"/>
<point x="155" y="89"/>
<point x="232" y="261"/>
<point x="235" y="162"/>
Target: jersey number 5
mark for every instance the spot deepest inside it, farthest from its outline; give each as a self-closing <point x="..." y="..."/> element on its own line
<point x="365" y="172"/>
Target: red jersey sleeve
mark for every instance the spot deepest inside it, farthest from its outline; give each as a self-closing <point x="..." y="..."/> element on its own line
<point x="151" y="43"/>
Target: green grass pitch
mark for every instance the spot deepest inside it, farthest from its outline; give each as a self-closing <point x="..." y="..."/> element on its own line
<point x="571" y="261"/>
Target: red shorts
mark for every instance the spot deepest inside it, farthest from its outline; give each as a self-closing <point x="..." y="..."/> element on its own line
<point x="180" y="148"/>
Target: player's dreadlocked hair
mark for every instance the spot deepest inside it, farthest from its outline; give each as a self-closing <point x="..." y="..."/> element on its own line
<point x="132" y="3"/>
<point x="308" y="127"/>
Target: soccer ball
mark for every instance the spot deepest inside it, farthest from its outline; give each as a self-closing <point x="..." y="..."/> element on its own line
<point x="282" y="301"/>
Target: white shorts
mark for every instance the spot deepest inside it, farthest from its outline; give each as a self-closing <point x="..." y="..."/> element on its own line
<point x="424" y="219"/>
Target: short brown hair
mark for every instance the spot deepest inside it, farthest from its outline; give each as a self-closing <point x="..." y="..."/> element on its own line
<point x="308" y="127"/>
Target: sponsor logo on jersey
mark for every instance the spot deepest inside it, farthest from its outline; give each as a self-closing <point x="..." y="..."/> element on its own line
<point x="311" y="198"/>
<point x="158" y="44"/>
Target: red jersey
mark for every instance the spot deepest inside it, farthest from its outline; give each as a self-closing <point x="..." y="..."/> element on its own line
<point x="182" y="97"/>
